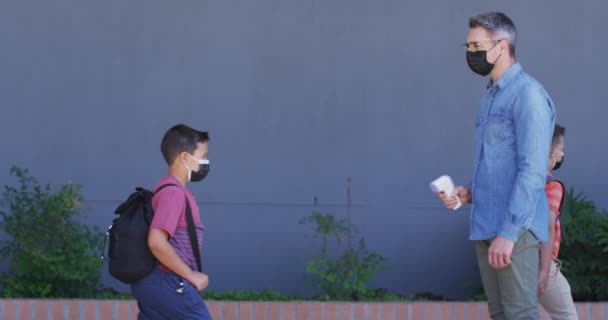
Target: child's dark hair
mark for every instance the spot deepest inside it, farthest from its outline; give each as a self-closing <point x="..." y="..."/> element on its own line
<point x="558" y="133"/>
<point x="181" y="138"/>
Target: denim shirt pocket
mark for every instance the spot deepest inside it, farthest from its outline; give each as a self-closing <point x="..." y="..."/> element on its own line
<point x="497" y="129"/>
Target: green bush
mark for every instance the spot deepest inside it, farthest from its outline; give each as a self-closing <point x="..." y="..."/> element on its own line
<point x="51" y="254"/>
<point x="345" y="274"/>
<point x="585" y="262"/>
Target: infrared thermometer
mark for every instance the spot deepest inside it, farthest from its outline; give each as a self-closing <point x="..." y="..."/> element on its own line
<point x="446" y="185"/>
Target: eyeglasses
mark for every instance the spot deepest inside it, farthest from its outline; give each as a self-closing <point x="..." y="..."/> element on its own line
<point x="475" y="45"/>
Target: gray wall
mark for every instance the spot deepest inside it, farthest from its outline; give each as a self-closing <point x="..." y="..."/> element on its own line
<point x="298" y="95"/>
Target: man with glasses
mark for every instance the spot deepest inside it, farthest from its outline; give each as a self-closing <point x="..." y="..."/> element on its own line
<point x="513" y="131"/>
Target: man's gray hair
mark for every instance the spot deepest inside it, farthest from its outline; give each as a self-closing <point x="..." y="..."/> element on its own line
<point x="499" y="25"/>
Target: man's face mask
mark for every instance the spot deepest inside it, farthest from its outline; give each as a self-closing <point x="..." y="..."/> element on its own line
<point x="203" y="170"/>
<point x="478" y="61"/>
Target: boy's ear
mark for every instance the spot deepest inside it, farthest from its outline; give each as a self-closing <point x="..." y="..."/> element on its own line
<point x="179" y="158"/>
<point x="183" y="156"/>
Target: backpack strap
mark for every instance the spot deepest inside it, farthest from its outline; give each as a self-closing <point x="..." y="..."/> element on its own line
<point x="191" y="228"/>
<point x="164" y="186"/>
<point x="192" y="236"/>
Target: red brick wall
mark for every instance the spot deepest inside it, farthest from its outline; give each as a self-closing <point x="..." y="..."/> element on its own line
<point x="127" y="310"/>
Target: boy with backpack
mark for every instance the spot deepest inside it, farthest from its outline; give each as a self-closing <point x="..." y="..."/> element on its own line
<point x="171" y="290"/>
<point x="553" y="288"/>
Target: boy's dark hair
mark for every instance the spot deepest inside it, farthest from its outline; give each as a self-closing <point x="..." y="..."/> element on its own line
<point x="558" y="133"/>
<point x="181" y="138"/>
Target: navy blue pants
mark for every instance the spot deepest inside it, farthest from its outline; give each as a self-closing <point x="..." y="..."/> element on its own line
<point x="160" y="296"/>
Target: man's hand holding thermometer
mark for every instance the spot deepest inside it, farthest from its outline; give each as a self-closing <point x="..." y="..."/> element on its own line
<point x="453" y="197"/>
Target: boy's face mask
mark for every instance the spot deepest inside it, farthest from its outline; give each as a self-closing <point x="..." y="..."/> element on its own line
<point x="558" y="164"/>
<point x="203" y="169"/>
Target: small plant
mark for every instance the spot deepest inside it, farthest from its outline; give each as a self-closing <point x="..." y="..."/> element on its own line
<point x="479" y="295"/>
<point x="344" y="275"/>
<point x="344" y="272"/>
<point x="585" y="262"/>
<point x="51" y="255"/>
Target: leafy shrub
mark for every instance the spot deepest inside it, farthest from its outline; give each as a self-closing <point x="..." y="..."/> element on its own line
<point x="585" y="262"/>
<point x="51" y="255"/>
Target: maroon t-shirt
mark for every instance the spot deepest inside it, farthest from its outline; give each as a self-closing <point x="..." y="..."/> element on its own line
<point x="170" y="215"/>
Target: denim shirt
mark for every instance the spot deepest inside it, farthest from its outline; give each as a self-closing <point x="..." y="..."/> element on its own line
<point x="513" y="135"/>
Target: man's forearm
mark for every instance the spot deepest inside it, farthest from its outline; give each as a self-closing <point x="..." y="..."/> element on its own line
<point x="528" y="188"/>
<point x="533" y="116"/>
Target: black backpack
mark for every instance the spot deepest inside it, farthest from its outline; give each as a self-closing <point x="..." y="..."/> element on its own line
<point x="129" y="257"/>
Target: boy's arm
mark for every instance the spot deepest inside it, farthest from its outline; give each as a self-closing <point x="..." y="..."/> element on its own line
<point x="158" y="241"/>
<point x="546" y="255"/>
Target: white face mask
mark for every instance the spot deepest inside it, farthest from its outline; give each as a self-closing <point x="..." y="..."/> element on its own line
<point x="203" y="169"/>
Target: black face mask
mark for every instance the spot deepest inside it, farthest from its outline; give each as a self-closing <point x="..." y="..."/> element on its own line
<point x="203" y="171"/>
<point x="478" y="61"/>
<point x="558" y="164"/>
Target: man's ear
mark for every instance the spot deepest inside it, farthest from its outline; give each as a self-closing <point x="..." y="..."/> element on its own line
<point x="504" y="45"/>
